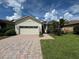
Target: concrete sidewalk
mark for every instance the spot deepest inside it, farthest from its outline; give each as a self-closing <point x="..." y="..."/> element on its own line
<point x="46" y="37"/>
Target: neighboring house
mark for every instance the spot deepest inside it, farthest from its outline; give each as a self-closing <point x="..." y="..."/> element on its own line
<point x="28" y="26"/>
<point x="70" y="25"/>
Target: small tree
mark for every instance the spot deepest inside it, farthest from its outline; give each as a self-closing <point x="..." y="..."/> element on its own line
<point x="53" y="27"/>
<point x="62" y="22"/>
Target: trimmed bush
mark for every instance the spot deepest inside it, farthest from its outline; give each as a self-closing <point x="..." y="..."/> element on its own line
<point x="10" y="32"/>
<point x="76" y="29"/>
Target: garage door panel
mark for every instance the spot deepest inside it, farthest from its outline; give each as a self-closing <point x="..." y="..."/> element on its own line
<point x="29" y="31"/>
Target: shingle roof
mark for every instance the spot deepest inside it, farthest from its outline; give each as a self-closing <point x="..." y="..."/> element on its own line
<point x="72" y="22"/>
<point x="28" y="17"/>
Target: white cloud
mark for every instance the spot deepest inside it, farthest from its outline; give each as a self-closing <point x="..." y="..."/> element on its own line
<point x="0" y="1"/>
<point x="75" y="18"/>
<point x="51" y="15"/>
<point x="54" y="12"/>
<point x="68" y="16"/>
<point x="21" y="1"/>
<point x="17" y="7"/>
<point x="60" y="17"/>
<point x="75" y="8"/>
<point x="47" y="15"/>
<point x="15" y="16"/>
<point x="37" y="17"/>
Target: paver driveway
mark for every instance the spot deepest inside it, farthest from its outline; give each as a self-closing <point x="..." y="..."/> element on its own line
<point x="20" y="47"/>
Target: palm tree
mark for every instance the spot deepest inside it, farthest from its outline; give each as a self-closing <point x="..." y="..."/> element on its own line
<point x="61" y="22"/>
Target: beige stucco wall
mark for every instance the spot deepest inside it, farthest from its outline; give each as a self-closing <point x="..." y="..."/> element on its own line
<point x="26" y="22"/>
<point x="67" y="29"/>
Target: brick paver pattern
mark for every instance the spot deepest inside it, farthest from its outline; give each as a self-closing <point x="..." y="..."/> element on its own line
<point x="20" y="47"/>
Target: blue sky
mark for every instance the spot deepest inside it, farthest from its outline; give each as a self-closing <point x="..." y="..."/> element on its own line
<point x="41" y="9"/>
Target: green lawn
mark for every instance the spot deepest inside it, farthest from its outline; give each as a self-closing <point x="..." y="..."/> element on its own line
<point x="63" y="47"/>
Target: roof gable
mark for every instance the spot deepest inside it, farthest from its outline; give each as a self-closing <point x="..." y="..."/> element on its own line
<point x="27" y="18"/>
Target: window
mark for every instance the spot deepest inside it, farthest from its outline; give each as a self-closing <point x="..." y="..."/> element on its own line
<point x="28" y="26"/>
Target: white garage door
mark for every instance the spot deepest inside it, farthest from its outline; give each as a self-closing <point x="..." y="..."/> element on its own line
<point x="29" y="30"/>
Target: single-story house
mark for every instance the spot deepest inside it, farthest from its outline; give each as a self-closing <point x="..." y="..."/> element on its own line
<point x="28" y="26"/>
<point x="68" y="27"/>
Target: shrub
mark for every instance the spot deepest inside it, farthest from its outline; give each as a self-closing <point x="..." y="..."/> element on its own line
<point x="10" y="32"/>
<point x="76" y="29"/>
<point x="40" y="34"/>
<point x="1" y="34"/>
<point x="58" y="31"/>
<point x="3" y="30"/>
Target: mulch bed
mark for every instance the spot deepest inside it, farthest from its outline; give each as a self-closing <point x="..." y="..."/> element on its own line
<point x="3" y="37"/>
